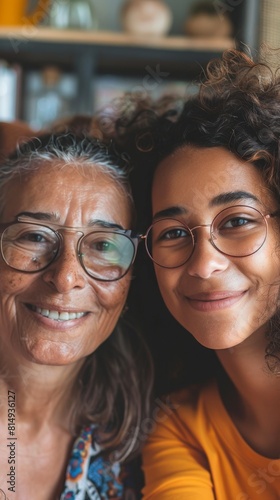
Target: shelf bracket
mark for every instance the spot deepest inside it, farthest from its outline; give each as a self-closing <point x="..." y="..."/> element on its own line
<point x="85" y="67"/>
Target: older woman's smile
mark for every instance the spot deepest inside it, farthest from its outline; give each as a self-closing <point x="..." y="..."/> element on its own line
<point x="57" y="315"/>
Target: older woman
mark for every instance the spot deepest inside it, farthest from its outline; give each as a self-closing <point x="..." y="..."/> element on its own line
<point x="72" y="382"/>
<point x="214" y="241"/>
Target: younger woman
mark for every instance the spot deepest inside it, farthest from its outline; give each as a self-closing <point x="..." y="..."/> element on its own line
<point x="215" y="243"/>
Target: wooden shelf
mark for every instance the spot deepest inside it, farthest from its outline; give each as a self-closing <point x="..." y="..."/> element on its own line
<point x="151" y="61"/>
<point x="105" y="38"/>
<point x="91" y="53"/>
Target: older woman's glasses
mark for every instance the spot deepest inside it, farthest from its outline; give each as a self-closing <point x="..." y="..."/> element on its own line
<point x="105" y="254"/>
<point x="237" y="231"/>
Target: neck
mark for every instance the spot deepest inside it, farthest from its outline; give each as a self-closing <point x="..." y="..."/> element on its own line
<point x="245" y="363"/>
<point x="251" y="394"/>
<point x="42" y="393"/>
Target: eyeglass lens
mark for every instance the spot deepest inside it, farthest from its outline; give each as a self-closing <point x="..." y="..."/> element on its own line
<point x="105" y="255"/>
<point x="236" y="231"/>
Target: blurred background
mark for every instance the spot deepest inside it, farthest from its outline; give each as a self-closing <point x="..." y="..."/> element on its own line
<point x="62" y="57"/>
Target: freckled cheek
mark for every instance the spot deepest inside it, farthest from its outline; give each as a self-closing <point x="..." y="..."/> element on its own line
<point x="13" y="281"/>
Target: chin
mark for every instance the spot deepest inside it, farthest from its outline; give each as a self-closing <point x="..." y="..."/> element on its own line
<point x="52" y="354"/>
<point x="218" y="344"/>
<point x="213" y="343"/>
<point x="219" y="336"/>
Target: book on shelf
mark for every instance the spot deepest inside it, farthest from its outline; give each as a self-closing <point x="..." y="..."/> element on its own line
<point x="109" y="88"/>
<point x="10" y="82"/>
<point x="49" y="95"/>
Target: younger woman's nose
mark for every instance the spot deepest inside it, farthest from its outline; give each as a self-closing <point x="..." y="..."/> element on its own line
<point x="205" y="259"/>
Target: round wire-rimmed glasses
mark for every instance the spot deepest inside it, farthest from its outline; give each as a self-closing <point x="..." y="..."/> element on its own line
<point x="237" y="231"/>
<point x="106" y="254"/>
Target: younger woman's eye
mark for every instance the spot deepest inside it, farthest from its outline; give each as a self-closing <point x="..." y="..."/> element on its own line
<point x="236" y="222"/>
<point x="175" y="233"/>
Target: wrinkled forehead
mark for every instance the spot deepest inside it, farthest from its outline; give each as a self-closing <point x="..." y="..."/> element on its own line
<point x="79" y="168"/>
<point x="57" y="171"/>
<point x="64" y="184"/>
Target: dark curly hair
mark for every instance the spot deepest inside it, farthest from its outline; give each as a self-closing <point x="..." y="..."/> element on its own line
<point x="237" y="107"/>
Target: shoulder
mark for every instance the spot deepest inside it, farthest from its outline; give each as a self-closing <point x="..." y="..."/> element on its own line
<point x="192" y="399"/>
<point x="179" y="436"/>
<point x="187" y="411"/>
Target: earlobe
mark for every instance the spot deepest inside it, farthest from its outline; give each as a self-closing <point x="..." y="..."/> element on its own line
<point x="124" y="311"/>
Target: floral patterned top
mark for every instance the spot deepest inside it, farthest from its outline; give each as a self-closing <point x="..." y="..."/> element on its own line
<point x="89" y="476"/>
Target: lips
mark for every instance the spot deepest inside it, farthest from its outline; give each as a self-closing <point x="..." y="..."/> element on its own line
<point x="214" y="301"/>
<point x="57" y="315"/>
<point x="211" y="296"/>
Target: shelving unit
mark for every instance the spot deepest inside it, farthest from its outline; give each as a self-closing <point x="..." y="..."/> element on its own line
<point x="89" y="54"/>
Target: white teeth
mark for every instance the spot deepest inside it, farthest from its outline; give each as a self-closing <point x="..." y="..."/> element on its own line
<point x="53" y="315"/>
<point x="63" y="316"/>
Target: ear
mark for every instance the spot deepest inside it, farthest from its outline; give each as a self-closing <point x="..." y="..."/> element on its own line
<point x="12" y="134"/>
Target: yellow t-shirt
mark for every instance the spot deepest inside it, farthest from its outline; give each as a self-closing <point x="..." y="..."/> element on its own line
<point x="196" y="453"/>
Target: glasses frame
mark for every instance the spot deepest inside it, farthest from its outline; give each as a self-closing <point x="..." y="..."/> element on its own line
<point x="133" y="236"/>
<point x="265" y="217"/>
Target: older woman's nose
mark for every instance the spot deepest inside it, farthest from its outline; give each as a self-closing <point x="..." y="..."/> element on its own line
<point x="66" y="272"/>
<point x="205" y="259"/>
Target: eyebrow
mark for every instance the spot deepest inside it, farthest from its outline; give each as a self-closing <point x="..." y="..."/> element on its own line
<point x="170" y="212"/>
<point x="232" y="196"/>
<point x="54" y="218"/>
<point x="217" y="201"/>
<point x="45" y="216"/>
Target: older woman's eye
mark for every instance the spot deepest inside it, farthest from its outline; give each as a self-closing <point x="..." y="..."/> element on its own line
<point x="104" y="246"/>
<point x="33" y="237"/>
<point x="27" y="238"/>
